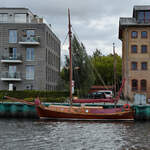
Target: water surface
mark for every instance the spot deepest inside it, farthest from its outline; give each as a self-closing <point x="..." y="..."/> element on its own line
<point x="73" y="135"/>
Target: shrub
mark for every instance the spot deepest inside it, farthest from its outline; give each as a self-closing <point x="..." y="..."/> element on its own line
<point x="33" y="94"/>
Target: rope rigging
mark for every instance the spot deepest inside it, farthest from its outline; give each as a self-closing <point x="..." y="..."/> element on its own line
<point x="95" y="70"/>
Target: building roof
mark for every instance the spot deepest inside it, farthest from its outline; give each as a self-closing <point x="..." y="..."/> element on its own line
<point x="14" y="8"/>
<point x="141" y="7"/>
<point x="131" y="21"/>
<point x="18" y="9"/>
<point x="127" y="21"/>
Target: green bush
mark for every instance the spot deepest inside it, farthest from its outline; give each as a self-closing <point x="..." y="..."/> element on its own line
<point x="33" y="94"/>
<point x="48" y="99"/>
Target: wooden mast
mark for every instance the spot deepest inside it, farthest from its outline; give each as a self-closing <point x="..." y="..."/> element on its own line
<point x="114" y="69"/>
<point x="70" y="55"/>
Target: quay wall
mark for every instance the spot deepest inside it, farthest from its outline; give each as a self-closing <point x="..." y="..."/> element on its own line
<point x="19" y="110"/>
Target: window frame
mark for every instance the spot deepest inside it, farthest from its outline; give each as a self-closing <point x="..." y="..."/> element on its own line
<point x="133" y="51"/>
<point x="12" y="35"/>
<point x="144" y="62"/>
<point x="134" y="88"/>
<point x="144" y="37"/>
<point x="3" y="17"/>
<point x="31" y="56"/>
<point x="16" y="18"/>
<point x="144" y="18"/>
<point x="29" y="74"/>
<point x="134" y="37"/>
<point x="143" y="88"/>
<point x="142" y="51"/>
<point x="134" y="62"/>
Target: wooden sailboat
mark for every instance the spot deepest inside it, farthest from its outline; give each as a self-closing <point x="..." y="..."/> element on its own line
<point x="84" y="112"/>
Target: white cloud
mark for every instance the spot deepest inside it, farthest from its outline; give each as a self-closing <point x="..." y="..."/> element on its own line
<point x="95" y="21"/>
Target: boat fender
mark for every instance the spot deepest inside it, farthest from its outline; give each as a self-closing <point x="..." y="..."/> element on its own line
<point x="126" y="107"/>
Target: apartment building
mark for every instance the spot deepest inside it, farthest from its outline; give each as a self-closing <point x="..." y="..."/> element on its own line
<point x="29" y="51"/>
<point x="134" y="32"/>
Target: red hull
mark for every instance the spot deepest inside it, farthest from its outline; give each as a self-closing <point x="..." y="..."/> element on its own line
<point x="85" y="113"/>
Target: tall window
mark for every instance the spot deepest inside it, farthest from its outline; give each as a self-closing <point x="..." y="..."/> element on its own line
<point x="20" y="18"/>
<point x="143" y="85"/>
<point x="12" y="36"/>
<point x="134" y="85"/>
<point x="144" y="65"/>
<point x="13" y="53"/>
<point x="134" y="34"/>
<point x="144" y="49"/>
<point x="3" y="18"/>
<point x="29" y="72"/>
<point x="133" y="65"/>
<point x="29" y="54"/>
<point x="12" y="71"/>
<point x="133" y="48"/>
<point x="143" y="34"/>
<point x="143" y="16"/>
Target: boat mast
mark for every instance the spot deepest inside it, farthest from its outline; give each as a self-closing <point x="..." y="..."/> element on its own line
<point x="114" y="69"/>
<point x="70" y="55"/>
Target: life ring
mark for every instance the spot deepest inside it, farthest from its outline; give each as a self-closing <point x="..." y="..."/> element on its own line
<point x="126" y="106"/>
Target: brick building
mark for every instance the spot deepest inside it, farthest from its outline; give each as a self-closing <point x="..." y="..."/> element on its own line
<point x="134" y="32"/>
<point x="29" y="51"/>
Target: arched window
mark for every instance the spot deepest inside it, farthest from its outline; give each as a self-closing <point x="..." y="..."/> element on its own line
<point x="143" y="85"/>
<point x="134" y="85"/>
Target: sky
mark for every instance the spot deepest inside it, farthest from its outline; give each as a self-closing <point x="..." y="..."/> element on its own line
<point x="95" y="22"/>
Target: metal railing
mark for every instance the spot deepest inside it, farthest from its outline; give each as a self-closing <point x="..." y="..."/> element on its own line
<point x="30" y="39"/>
<point x="7" y="74"/>
<point x="8" y="56"/>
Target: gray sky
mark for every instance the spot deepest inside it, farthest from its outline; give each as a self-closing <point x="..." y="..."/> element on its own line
<point x="96" y="22"/>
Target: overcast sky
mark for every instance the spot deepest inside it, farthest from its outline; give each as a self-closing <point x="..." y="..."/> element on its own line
<point x="96" y="22"/>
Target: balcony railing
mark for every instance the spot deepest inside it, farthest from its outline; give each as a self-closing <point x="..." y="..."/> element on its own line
<point x="31" y="40"/>
<point x="11" y="76"/>
<point x="7" y="58"/>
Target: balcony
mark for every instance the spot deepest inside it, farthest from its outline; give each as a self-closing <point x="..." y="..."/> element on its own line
<point x="31" y="40"/>
<point x="7" y="58"/>
<point x="10" y="76"/>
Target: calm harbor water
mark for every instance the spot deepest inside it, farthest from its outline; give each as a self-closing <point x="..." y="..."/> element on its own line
<point x="73" y="135"/>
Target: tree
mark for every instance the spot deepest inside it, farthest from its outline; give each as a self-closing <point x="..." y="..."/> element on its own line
<point x="104" y="68"/>
<point x="82" y="68"/>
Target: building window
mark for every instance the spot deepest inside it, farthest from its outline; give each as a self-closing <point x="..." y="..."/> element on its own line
<point x="29" y="72"/>
<point x="134" y="66"/>
<point x="143" y="85"/>
<point x="12" y="36"/>
<point x="144" y="49"/>
<point x="12" y="72"/>
<point x="29" y="54"/>
<point x="13" y="53"/>
<point x="143" y="34"/>
<point x="134" y="34"/>
<point x="134" y="49"/>
<point x="3" y="18"/>
<point x="20" y="18"/>
<point x="30" y="33"/>
<point x="143" y="16"/>
<point x="134" y="85"/>
<point x="144" y="65"/>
